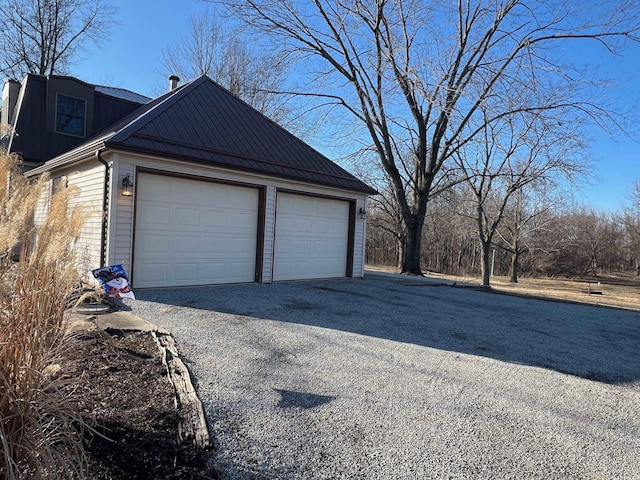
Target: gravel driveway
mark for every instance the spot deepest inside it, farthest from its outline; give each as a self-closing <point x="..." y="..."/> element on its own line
<point x="396" y="377"/>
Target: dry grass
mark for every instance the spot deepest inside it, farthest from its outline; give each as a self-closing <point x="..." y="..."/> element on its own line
<point x="39" y="429"/>
<point x="618" y="291"/>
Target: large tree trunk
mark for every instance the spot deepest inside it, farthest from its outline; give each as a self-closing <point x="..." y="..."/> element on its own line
<point x="513" y="271"/>
<point x="485" y="266"/>
<point x="411" y="261"/>
<point x="402" y="247"/>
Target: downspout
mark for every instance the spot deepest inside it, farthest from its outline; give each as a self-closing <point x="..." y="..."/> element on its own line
<point x="105" y="208"/>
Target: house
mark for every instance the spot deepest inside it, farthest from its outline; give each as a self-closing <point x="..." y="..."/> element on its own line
<point x="196" y="187"/>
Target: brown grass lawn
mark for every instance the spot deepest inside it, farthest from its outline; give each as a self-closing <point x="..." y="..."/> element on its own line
<point x="619" y="291"/>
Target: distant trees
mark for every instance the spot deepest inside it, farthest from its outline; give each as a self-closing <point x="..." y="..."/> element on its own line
<point x="538" y="234"/>
<point x="46" y="36"/>
<point x="581" y="242"/>
<point x="631" y="221"/>
<point x="507" y="155"/>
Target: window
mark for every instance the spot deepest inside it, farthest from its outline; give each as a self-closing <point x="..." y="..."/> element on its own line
<point x="70" y="114"/>
<point x="58" y="183"/>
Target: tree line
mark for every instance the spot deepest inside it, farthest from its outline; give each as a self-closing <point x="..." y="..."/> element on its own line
<point x="538" y="234"/>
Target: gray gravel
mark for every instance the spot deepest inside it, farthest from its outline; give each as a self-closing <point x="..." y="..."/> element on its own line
<point x="393" y="377"/>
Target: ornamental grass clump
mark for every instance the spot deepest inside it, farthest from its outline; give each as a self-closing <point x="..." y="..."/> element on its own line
<point x="40" y="431"/>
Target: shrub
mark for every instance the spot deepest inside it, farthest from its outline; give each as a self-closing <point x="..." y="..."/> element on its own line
<point x="40" y="433"/>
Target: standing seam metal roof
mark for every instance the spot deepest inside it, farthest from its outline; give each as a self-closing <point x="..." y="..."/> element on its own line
<point x="122" y="94"/>
<point x="204" y="123"/>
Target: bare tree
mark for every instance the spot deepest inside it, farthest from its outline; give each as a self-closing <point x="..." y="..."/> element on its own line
<point x="46" y="36"/>
<point x="530" y="210"/>
<point x="414" y="75"/>
<point x="211" y="49"/>
<point x="507" y="155"/>
<point x="631" y="222"/>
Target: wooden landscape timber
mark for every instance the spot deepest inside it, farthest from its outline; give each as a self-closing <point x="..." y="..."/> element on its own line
<point x="193" y="426"/>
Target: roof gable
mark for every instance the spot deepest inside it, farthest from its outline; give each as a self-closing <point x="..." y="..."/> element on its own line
<point x="203" y="122"/>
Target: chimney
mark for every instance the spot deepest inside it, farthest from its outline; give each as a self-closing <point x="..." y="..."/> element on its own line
<point x="10" y="93"/>
<point x="173" y="82"/>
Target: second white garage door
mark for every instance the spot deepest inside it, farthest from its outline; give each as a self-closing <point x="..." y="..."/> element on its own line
<point x="191" y="232"/>
<point x="312" y="237"/>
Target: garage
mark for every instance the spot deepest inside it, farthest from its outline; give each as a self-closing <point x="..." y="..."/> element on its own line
<point x="311" y="237"/>
<point x="193" y="232"/>
<point x="221" y="194"/>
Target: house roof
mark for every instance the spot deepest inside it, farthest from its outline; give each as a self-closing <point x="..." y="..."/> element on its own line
<point x="202" y="122"/>
<point x="122" y="94"/>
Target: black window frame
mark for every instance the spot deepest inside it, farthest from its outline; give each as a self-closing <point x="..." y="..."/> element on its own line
<point x="71" y="115"/>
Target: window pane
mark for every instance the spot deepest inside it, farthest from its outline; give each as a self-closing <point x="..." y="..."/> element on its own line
<point x="70" y="115"/>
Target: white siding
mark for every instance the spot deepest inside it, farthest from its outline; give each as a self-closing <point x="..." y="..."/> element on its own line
<point x="269" y="235"/>
<point x="88" y="178"/>
<point x="42" y="207"/>
<point x="122" y="217"/>
<point x="360" y="239"/>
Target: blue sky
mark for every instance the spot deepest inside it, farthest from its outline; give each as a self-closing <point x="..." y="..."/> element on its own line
<point x="130" y="58"/>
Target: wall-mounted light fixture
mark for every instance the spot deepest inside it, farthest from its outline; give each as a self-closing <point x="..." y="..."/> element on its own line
<point x="127" y="186"/>
<point x="362" y="212"/>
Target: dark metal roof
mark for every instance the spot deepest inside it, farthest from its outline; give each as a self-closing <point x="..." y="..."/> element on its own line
<point x="203" y="122"/>
<point x="122" y="94"/>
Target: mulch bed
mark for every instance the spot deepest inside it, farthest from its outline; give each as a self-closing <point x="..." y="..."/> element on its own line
<point x="126" y="398"/>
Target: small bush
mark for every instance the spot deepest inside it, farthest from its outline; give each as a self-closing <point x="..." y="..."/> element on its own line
<point x="40" y="433"/>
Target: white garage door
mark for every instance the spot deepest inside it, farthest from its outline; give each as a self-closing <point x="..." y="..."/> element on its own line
<point x="311" y="237"/>
<point x="191" y="232"/>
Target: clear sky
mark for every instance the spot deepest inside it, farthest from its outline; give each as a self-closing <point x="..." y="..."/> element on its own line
<point x="130" y="58"/>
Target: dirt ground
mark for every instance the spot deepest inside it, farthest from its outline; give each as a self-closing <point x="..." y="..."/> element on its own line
<point x="126" y="398"/>
<point x="618" y="291"/>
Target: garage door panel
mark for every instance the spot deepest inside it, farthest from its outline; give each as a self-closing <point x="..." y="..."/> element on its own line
<point x="187" y="217"/>
<point x="240" y="220"/>
<point x="240" y="245"/>
<point x="156" y="272"/>
<point x="213" y="220"/>
<point x="186" y="272"/>
<point x="182" y="196"/>
<point x="154" y="189"/>
<point x="311" y="237"/>
<point x="198" y="233"/>
<point x="186" y="244"/>
<point x="154" y="243"/>
<point x="155" y="215"/>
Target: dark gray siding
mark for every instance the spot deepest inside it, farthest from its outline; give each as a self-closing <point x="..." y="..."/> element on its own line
<point x="108" y="110"/>
<point x="35" y="138"/>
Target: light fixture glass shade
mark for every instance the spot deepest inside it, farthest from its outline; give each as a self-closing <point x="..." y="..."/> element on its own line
<point x="127" y="186"/>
